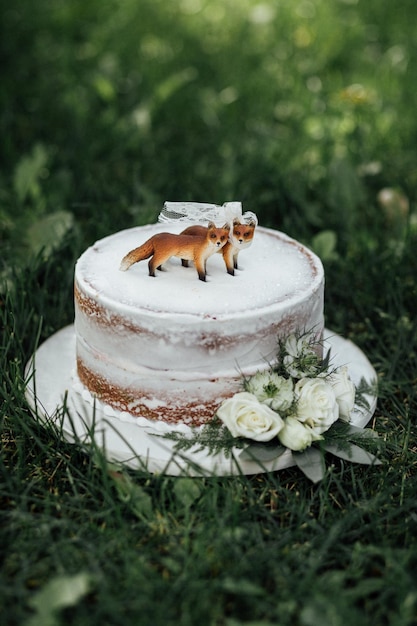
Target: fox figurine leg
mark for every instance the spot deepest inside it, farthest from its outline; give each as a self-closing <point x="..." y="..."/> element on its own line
<point x="226" y="250"/>
<point x="159" y="248"/>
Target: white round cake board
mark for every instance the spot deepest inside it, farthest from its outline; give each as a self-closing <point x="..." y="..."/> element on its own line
<point x="50" y="388"/>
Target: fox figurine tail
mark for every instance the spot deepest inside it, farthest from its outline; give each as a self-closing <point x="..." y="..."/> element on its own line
<point x="241" y="237"/>
<point x="162" y="246"/>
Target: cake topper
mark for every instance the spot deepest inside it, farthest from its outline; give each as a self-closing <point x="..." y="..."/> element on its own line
<point x="242" y="225"/>
<point x="240" y="237"/>
<point x="198" y="242"/>
<point x="196" y="248"/>
<point x="202" y="212"/>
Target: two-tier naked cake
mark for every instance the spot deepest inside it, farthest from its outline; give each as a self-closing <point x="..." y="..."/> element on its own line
<point x="172" y="347"/>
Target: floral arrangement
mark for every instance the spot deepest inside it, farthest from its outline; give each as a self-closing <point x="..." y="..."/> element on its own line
<point x="300" y="404"/>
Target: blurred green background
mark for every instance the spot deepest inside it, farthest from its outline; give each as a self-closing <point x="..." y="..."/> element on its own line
<point x="304" y="111"/>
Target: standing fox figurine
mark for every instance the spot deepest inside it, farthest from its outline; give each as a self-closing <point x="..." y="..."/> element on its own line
<point x="240" y="238"/>
<point x="187" y="247"/>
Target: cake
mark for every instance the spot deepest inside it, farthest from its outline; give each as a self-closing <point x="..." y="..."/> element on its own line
<point x="171" y="348"/>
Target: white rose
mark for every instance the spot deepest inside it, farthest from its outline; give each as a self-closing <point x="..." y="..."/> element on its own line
<point x="245" y="416"/>
<point x="316" y="404"/>
<point x="344" y="390"/>
<point x="272" y="389"/>
<point x="297" y="436"/>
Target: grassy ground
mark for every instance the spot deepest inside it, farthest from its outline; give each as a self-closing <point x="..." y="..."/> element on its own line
<point x="305" y="112"/>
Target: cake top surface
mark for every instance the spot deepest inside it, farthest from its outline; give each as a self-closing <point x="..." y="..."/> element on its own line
<point x="273" y="270"/>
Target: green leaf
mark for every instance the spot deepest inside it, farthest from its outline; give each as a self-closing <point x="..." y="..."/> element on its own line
<point x="47" y="233"/>
<point x="173" y="83"/>
<point x="28" y="172"/>
<point x="311" y="463"/>
<point x="362" y="433"/>
<point x="60" y="593"/>
<point x="242" y="587"/>
<point x="132" y="494"/>
<point x="354" y="453"/>
<point x="262" y="452"/>
<point x="187" y="490"/>
<point x="324" y="245"/>
<point x="105" y="88"/>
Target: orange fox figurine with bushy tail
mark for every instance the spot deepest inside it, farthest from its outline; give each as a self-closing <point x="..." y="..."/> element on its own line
<point x="162" y="246"/>
<point x="241" y="237"/>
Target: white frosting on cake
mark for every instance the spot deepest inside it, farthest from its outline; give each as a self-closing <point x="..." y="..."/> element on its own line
<point x="169" y="346"/>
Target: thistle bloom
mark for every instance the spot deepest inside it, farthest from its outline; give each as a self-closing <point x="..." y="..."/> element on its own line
<point x="300" y="358"/>
<point x="271" y="389"/>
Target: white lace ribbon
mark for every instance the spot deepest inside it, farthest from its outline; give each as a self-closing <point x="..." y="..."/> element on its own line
<point x="203" y="212"/>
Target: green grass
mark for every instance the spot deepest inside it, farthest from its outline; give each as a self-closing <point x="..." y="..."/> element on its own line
<point x="106" y="110"/>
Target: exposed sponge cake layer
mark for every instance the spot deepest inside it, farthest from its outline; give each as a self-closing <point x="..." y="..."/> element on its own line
<point x="173" y="347"/>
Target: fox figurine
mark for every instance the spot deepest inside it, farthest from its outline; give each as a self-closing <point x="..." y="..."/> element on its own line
<point x="162" y="246"/>
<point x="241" y="237"/>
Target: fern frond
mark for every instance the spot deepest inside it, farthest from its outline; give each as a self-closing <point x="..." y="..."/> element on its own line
<point x="213" y="437"/>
